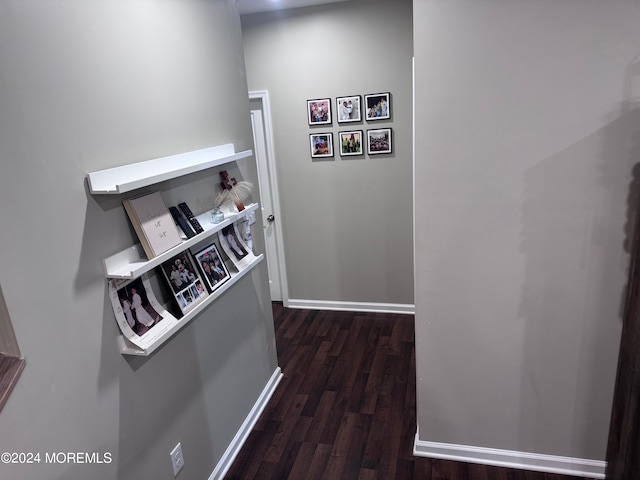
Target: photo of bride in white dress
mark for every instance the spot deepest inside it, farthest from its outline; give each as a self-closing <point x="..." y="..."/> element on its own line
<point x="139" y="313"/>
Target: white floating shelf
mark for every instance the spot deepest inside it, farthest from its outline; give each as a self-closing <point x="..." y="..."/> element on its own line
<point x="132" y="262"/>
<point x="128" y="348"/>
<point x="123" y="179"/>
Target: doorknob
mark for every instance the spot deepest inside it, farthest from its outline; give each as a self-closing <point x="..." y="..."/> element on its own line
<point x="270" y="218"/>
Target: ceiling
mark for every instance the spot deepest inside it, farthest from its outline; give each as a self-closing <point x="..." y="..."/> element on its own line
<point x="256" y="6"/>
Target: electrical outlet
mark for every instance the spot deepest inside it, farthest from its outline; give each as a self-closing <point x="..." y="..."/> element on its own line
<point x="177" y="460"/>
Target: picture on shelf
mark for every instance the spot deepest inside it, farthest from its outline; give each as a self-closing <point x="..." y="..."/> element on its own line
<point x="184" y="280"/>
<point x="348" y="109"/>
<point x="378" y="106"/>
<point x="319" y="111"/>
<point x="351" y="143"/>
<point x="321" y="145"/>
<point x="379" y="141"/>
<point x="134" y="304"/>
<point x="235" y="248"/>
<point x="212" y="266"/>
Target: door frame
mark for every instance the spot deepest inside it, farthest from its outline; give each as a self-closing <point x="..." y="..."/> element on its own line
<point x="272" y="181"/>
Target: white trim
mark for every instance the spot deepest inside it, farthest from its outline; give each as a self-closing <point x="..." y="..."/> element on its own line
<point x="241" y="436"/>
<point x="508" y="458"/>
<point x="263" y="95"/>
<point x="352" y="306"/>
<point x="413" y="172"/>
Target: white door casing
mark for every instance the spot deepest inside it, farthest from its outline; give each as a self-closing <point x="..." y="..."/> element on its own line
<point x="269" y="198"/>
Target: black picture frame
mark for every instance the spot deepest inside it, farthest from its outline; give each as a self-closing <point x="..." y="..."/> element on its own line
<point x="321" y="145"/>
<point x="349" y="109"/>
<point x="379" y="141"/>
<point x="319" y="111"/>
<point x="212" y="267"/>
<point x="351" y="143"/>
<point x="377" y="106"/>
<point x="184" y="281"/>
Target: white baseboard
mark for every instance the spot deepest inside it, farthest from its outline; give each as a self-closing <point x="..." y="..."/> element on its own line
<point x="512" y="459"/>
<point x="352" y="306"/>
<point x="245" y="429"/>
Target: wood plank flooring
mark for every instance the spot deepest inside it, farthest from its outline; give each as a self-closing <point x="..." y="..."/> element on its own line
<point x="10" y="370"/>
<point x="346" y="408"/>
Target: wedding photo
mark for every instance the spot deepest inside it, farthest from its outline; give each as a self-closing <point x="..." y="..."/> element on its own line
<point x="137" y="310"/>
<point x="348" y="109"/>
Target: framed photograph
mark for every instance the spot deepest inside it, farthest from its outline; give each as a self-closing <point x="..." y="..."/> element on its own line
<point x="348" y="109"/>
<point x="213" y="269"/>
<point x="319" y="111"/>
<point x="379" y="141"/>
<point x="185" y="282"/>
<point x="378" y="106"/>
<point x="321" y="145"/>
<point x="235" y="248"/>
<point x="351" y="143"/>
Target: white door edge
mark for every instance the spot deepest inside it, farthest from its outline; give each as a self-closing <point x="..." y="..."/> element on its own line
<point x="263" y="96"/>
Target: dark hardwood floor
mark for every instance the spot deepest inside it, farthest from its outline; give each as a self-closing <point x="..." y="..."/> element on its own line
<point x="10" y="370"/>
<point x="346" y="406"/>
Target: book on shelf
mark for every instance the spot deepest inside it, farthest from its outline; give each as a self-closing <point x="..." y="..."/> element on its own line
<point x="153" y="223"/>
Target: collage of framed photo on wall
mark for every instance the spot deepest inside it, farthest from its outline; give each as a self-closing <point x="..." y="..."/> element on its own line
<point x="350" y="109"/>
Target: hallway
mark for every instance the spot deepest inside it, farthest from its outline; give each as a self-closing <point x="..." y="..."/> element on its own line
<point x="345" y="408"/>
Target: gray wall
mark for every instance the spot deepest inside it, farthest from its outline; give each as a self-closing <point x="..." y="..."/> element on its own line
<point x="527" y="134"/>
<point x="86" y="85"/>
<point x="347" y="221"/>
